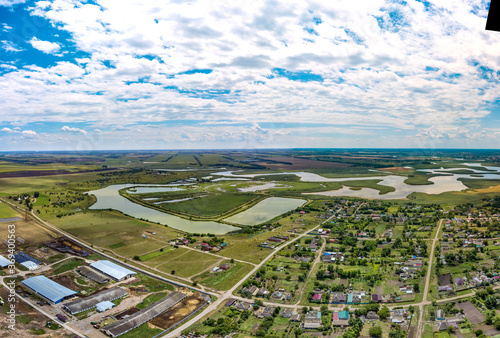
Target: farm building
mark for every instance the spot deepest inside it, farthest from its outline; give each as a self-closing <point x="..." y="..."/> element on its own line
<point x="103" y="306"/>
<point x="90" y="302"/>
<point x="4" y="261"/>
<point x="27" y="261"/>
<point x="48" y="289"/>
<point x="113" y="270"/>
<point x="131" y="322"/>
<point x="94" y="275"/>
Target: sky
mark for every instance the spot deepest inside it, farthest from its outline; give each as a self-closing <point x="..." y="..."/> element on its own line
<point x="231" y="74"/>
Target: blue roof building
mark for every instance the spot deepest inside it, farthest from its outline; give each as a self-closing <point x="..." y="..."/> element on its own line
<point x="344" y="315"/>
<point x="48" y="289"/>
<point x="4" y="261"/>
<point x="115" y="271"/>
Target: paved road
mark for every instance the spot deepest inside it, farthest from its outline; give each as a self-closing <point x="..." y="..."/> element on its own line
<point x="177" y="332"/>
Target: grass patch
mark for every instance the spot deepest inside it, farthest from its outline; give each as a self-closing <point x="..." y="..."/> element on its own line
<point x="67" y="266"/>
<point x="24" y="319"/>
<point x="152" y="284"/>
<point x="142" y="331"/>
<point x="153" y="254"/>
<point x="150" y="300"/>
<point x="55" y="258"/>
<point x="116" y="245"/>
<point x="225" y="280"/>
<point x="7" y="212"/>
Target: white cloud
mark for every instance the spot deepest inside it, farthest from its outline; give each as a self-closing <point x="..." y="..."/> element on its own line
<point x="372" y="76"/>
<point x="7" y="130"/>
<point x="73" y="130"/>
<point x="45" y="46"/>
<point x="28" y="133"/>
<point x="10" y="3"/>
<point x="9" y="46"/>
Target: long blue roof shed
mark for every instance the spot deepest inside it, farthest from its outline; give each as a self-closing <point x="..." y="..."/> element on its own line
<point x="48" y="289"/>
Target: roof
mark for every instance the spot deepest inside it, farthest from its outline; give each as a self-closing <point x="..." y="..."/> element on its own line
<point x="93" y="274"/>
<point x="21" y="257"/>
<point x="111" y="269"/>
<point x="89" y="302"/>
<point x="344" y="314"/>
<point x="317" y="296"/>
<point x="124" y="325"/>
<point x="4" y="261"/>
<point x="48" y="288"/>
<point x="103" y="306"/>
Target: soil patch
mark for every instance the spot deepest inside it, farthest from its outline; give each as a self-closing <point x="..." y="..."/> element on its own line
<point x="128" y="312"/>
<point x="471" y="313"/>
<point x="179" y="311"/>
<point x="66" y="281"/>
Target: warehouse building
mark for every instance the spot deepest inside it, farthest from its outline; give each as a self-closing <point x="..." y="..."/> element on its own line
<point x="48" y="289"/>
<point x="4" y="261"/>
<point x="131" y="322"/>
<point x="91" y="302"/>
<point x="93" y="274"/>
<point x="113" y="270"/>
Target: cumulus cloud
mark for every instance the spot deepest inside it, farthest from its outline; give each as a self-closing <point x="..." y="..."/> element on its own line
<point x="45" y="46"/>
<point x="28" y="133"/>
<point x="73" y="130"/>
<point x="352" y="66"/>
<point x="10" y="3"/>
<point x="6" y="130"/>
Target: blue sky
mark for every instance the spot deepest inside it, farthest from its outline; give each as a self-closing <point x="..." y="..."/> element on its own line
<point x="89" y="75"/>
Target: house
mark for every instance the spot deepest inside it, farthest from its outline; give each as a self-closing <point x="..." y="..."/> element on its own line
<point x="295" y="317"/>
<point x="406" y="289"/>
<point x="343" y="315"/>
<point x="312" y="320"/>
<point x="243" y="306"/>
<point x="441" y="326"/>
<point x="224" y="267"/>
<point x="376" y="298"/>
<point x="338" y="297"/>
<point x="265" y="312"/>
<point x="287" y="313"/>
<point x="371" y="315"/>
<point x="459" y="281"/>
<point x="440" y="315"/>
<point x="398" y="316"/>
<point x="317" y="297"/>
<point x="445" y="288"/>
<point x="230" y="302"/>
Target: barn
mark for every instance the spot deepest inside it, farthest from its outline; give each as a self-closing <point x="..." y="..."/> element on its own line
<point x="48" y="289"/>
<point x="4" y="261"/>
<point x="113" y="270"/>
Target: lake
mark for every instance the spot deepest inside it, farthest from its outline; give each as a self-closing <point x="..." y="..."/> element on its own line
<point x="109" y="198"/>
<point x="447" y="182"/>
<point x="266" y="210"/>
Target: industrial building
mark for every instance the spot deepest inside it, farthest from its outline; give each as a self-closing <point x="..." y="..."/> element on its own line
<point x="48" y="289"/>
<point x="103" y="306"/>
<point x="90" y="302"/>
<point x="4" y="261"/>
<point x="93" y="274"/>
<point x="113" y="270"/>
<point x="131" y="322"/>
<point x="27" y="261"/>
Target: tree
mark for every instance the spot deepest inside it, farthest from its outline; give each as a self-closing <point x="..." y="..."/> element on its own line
<point x="383" y="313"/>
<point x="376" y="331"/>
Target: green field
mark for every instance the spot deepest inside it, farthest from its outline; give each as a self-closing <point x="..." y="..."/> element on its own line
<point x="211" y="205"/>
<point x="186" y="264"/>
<point x="224" y="280"/>
<point x="7" y="212"/>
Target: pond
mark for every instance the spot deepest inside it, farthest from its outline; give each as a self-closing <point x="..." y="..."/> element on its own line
<point x="109" y="198"/>
<point x="266" y="210"/>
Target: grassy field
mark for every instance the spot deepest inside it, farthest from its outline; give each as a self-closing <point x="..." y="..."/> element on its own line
<point x="224" y="280"/>
<point x="28" y="230"/>
<point x="212" y="205"/>
<point x="145" y="330"/>
<point x="7" y="212"/>
<point x="186" y="264"/>
<point x="112" y="230"/>
<point x="150" y="300"/>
